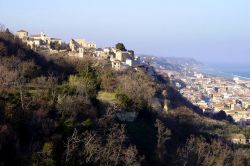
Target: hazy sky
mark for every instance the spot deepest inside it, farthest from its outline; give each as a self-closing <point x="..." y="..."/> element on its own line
<point x="208" y="30"/>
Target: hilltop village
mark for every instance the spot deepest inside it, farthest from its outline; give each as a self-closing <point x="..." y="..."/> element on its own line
<point x="120" y="59"/>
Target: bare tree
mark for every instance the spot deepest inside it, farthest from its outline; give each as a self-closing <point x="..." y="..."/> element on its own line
<point x="92" y="145"/>
<point x="163" y="134"/>
<point x="130" y="157"/>
<point x="26" y="100"/>
<point x="198" y="151"/>
<point x="114" y="145"/>
<point x="138" y="87"/>
<point x="72" y="145"/>
<point x="110" y="149"/>
<point x="2" y="28"/>
<point x="7" y="77"/>
<point x="71" y="106"/>
<point x="52" y="85"/>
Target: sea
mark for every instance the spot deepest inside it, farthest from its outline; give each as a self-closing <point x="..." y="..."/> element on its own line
<point x="227" y="70"/>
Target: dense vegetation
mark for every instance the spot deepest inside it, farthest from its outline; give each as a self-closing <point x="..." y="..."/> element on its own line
<point x="63" y="111"/>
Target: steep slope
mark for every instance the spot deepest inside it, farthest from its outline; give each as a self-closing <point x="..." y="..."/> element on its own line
<point x="13" y="54"/>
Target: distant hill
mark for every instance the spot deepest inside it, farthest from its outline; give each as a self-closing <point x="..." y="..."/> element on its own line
<point x="180" y="60"/>
<point x="171" y="63"/>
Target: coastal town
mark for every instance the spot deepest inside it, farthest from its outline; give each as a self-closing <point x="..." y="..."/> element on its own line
<point x="214" y="94"/>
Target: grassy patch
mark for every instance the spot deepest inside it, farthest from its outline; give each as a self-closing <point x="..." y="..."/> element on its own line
<point x="107" y="97"/>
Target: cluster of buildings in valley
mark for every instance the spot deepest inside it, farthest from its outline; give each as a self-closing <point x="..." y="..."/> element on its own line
<point x="120" y="60"/>
<point x="213" y="94"/>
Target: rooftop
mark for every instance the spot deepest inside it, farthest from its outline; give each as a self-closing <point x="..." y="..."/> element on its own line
<point x="21" y="31"/>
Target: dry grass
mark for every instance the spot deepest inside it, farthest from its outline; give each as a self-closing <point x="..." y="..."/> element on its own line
<point x="107" y="97"/>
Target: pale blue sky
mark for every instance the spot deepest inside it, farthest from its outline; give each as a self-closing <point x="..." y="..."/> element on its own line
<point x="208" y="30"/>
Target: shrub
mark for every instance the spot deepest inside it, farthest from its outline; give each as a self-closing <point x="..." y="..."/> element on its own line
<point x="85" y="86"/>
<point x="124" y="102"/>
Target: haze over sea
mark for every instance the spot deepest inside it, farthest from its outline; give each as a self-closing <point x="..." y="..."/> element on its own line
<point x="228" y="70"/>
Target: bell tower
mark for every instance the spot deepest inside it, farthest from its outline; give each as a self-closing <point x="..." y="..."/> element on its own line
<point x="43" y="36"/>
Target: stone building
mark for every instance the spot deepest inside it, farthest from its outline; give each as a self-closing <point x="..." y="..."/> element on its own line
<point x="45" y="40"/>
<point x="75" y="44"/>
<point x="122" y="59"/>
<point x="39" y="40"/>
<point x="22" y="34"/>
<point x="123" y="55"/>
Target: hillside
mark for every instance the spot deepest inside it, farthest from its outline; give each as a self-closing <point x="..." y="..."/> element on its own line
<point x="64" y="111"/>
<point x="12" y="49"/>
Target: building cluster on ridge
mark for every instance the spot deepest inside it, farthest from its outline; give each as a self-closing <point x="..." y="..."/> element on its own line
<point x="39" y="40"/>
<point x="120" y="60"/>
